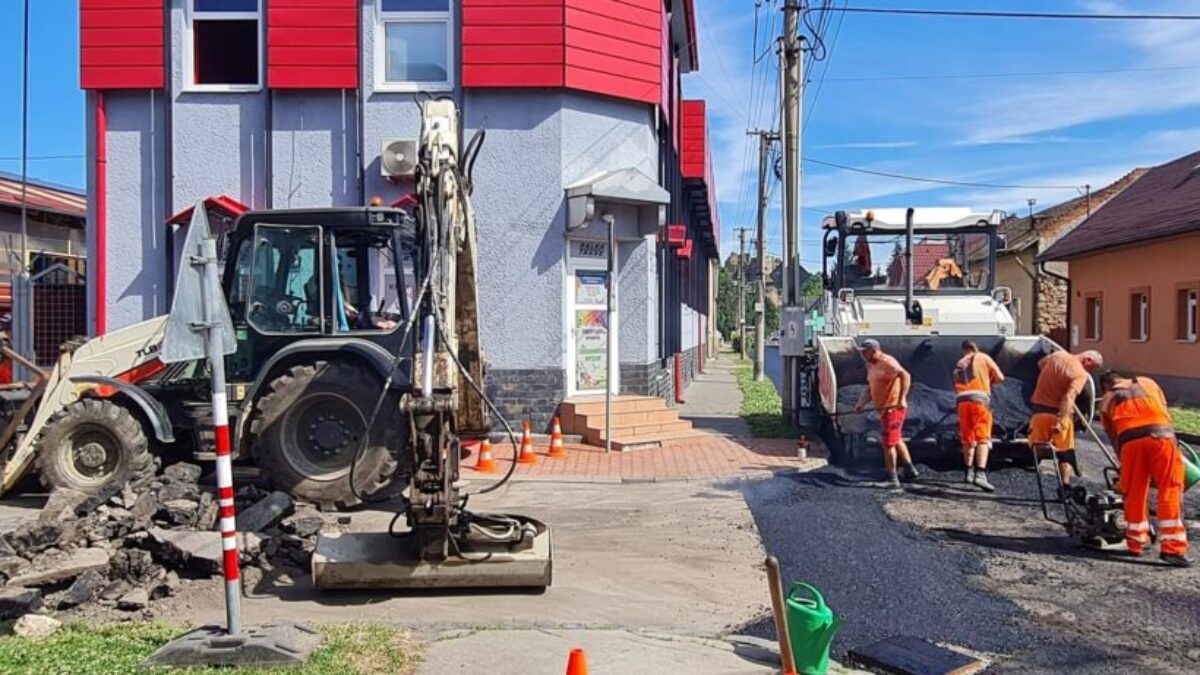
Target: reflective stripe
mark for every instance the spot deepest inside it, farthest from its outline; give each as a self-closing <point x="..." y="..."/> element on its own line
<point x="1173" y="537"/>
<point x="1170" y="523"/>
<point x="977" y="396"/>
<point x="227" y="525"/>
<point x="225" y="502"/>
<point x="1138" y="538"/>
<point x="229" y="543"/>
<point x="1148" y="431"/>
<point x="1143" y="526"/>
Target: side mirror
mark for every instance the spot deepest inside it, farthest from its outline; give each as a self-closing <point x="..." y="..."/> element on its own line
<point x="831" y="246"/>
<point x="1001" y="243"/>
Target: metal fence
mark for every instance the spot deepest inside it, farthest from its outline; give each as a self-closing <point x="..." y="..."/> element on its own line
<point x="49" y="307"/>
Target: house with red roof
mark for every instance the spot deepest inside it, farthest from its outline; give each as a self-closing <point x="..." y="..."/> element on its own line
<point x="1135" y="278"/>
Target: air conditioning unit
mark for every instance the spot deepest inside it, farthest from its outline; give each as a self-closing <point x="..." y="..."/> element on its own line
<point x="398" y="159"/>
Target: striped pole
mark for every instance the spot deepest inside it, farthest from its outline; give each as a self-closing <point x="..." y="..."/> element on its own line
<point x="220" y="416"/>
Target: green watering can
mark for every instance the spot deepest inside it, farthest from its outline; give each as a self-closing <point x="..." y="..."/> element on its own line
<point x="1191" y="465"/>
<point x="811" y="626"/>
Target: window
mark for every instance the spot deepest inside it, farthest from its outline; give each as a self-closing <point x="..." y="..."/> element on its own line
<point x="1094" y="317"/>
<point x="223" y="48"/>
<point x="413" y="46"/>
<point x="1187" y="312"/>
<point x="368" y="290"/>
<point x="1139" y="315"/>
<point x="285" y="280"/>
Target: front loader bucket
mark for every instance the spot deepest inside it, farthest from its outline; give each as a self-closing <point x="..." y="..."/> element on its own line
<point x="842" y="377"/>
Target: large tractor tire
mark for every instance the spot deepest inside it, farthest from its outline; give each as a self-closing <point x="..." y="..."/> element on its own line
<point x="311" y="422"/>
<point x="90" y="443"/>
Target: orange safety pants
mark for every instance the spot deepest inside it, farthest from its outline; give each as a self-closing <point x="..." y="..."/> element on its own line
<point x="974" y="423"/>
<point x="1153" y="460"/>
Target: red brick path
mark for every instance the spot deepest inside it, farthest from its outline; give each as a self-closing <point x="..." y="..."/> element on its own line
<point x="691" y="459"/>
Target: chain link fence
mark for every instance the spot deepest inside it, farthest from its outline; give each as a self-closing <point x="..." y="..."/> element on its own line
<point x="49" y="307"/>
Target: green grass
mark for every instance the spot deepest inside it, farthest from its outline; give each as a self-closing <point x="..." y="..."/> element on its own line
<point x="762" y="409"/>
<point x="1187" y="420"/>
<point x="120" y="648"/>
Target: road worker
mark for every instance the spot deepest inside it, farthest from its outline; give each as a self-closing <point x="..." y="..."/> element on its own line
<point x="974" y="375"/>
<point x="887" y="388"/>
<point x="1063" y="376"/>
<point x="1135" y="417"/>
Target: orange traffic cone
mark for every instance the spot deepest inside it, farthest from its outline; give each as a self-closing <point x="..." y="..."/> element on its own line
<point x="485" y="463"/>
<point x="577" y="663"/>
<point x="527" y="456"/>
<point x="556" y="443"/>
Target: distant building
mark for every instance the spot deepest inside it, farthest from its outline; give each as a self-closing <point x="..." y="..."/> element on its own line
<point x="1040" y="296"/>
<point x="1135" y="280"/>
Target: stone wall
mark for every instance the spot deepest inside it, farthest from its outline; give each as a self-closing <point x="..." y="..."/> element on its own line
<point x="532" y="393"/>
<point x="1052" y="304"/>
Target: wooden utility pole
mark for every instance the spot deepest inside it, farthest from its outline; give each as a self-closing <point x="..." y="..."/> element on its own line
<point x="765" y="138"/>
<point x="741" y="285"/>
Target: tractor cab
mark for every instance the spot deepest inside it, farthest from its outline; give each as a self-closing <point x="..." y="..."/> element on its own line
<point x="322" y="274"/>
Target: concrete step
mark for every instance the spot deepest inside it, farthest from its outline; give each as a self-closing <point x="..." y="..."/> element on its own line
<point x="597" y="436"/>
<point x="582" y="423"/>
<point x="592" y="405"/>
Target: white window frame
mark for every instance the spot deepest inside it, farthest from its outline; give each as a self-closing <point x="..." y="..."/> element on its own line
<point x="1191" y="329"/>
<point x="189" y="49"/>
<point x="383" y="18"/>
<point x="1143" y="316"/>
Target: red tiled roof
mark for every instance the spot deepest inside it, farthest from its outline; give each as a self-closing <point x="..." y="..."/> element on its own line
<point x="44" y="198"/>
<point x="925" y="257"/>
<point x="1163" y="202"/>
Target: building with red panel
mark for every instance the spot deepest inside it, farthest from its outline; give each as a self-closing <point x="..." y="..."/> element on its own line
<point x="300" y="103"/>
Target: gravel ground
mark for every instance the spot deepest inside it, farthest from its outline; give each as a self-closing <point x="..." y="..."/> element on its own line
<point x="985" y="572"/>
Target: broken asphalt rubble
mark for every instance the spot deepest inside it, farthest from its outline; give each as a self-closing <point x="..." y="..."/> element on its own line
<point x="130" y="545"/>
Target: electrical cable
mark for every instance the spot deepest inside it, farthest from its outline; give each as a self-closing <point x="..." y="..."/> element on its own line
<point x="938" y="181"/>
<point x="1021" y="15"/>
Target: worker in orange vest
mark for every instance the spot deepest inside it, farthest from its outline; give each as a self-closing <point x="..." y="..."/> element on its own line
<point x="1063" y="376"/>
<point x="1134" y="413"/>
<point x="887" y="388"/>
<point x="974" y="375"/>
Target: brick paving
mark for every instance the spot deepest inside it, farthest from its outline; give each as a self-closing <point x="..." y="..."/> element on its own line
<point x="701" y="458"/>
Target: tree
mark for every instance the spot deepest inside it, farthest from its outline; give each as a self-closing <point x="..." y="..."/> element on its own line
<point x="726" y="304"/>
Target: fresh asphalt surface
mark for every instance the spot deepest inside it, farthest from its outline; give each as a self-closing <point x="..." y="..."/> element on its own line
<point x="886" y="578"/>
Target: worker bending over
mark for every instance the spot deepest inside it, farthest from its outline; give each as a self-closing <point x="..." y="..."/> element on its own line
<point x="1135" y="417"/>
<point x="1063" y="376"/>
<point x="887" y="387"/>
<point x="974" y="376"/>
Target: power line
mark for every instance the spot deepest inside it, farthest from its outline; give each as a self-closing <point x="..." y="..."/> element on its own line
<point x="1021" y="15"/>
<point x="972" y="76"/>
<point x="32" y="158"/>
<point x="939" y="181"/>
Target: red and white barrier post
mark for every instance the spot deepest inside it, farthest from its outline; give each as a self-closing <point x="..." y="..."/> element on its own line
<point x="220" y="416"/>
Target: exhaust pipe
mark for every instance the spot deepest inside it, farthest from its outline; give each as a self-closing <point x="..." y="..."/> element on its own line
<point x="909" y="309"/>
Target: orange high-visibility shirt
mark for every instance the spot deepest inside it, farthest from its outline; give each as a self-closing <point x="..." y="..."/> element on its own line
<point x="1134" y="404"/>
<point x="1061" y="380"/>
<point x="883" y="377"/>
<point x="976" y="372"/>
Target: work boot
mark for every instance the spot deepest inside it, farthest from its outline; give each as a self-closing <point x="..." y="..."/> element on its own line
<point x="981" y="481"/>
<point x="969" y="476"/>
<point x="892" y="482"/>
<point x="1176" y="559"/>
<point x="908" y="473"/>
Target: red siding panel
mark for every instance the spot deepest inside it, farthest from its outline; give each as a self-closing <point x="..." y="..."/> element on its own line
<point x="121" y="44"/>
<point x="610" y="47"/>
<point x="694" y="153"/>
<point x="312" y="44"/>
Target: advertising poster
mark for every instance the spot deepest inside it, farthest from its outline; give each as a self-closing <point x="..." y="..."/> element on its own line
<point x="591" y="288"/>
<point x="591" y="363"/>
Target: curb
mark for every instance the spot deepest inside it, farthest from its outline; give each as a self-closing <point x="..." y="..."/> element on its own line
<point x="810" y="464"/>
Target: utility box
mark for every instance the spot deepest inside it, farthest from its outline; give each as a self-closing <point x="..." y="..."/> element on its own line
<point x="791" y="332"/>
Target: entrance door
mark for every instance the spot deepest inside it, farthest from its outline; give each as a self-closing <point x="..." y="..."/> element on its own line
<point x="587" y="368"/>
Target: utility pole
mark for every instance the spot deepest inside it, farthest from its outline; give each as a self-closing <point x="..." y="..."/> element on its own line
<point x="741" y="285"/>
<point x="765" y="138"/>
<point x="792" y="83"/>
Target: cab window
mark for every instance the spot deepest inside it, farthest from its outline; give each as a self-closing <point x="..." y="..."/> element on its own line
<point x="366" y="287"/>
<point x="285" y="280"/>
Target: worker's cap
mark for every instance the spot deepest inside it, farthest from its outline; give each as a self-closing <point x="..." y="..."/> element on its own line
<point x="869" y="343"/>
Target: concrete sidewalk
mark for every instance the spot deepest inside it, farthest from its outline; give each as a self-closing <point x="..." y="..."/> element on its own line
<point x="714" y="400"/>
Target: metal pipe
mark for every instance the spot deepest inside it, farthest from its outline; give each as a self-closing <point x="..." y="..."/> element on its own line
<point x="100" y="197"/>
<point x="25" y="142"/>
<point x="908" y="263"/>
<point x="608" y="329"/>
<point x="427" y="336"/>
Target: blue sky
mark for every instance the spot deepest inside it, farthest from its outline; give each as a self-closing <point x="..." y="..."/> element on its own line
<point x="1072" y="128"/>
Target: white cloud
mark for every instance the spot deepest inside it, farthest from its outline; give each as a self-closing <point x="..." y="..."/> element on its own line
<point x="866" y="145"/>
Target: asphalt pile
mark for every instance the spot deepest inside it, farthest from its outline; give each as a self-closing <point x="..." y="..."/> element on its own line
<point x="131" y="545"/>
<point x="930" y="409"/>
